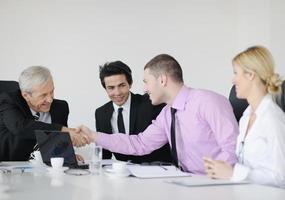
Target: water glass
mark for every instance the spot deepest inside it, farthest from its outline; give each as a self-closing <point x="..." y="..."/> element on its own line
<point x="95" y="163"/>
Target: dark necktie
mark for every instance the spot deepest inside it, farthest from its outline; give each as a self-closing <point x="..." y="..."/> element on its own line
<point x="120" y="121"/>
<point x="173" y="140"/>
<point x="37" y="116"/>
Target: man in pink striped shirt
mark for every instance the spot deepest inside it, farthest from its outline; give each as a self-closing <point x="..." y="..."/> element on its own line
<point x="204" y="121"/>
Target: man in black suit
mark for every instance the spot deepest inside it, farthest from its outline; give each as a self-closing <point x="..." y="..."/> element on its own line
<point x="126" y="112"/>
<point x="28" y="109"/>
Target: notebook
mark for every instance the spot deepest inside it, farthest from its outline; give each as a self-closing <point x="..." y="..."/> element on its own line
<point x="57" y="144"/>
<point x="204" y="181"/>
<point x="156" y="171"/>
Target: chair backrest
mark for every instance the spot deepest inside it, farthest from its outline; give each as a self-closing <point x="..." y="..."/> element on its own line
<point x="8" y="86"/>
<point x="239" y="105"/>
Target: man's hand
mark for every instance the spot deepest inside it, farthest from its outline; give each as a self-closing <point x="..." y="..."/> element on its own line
<point x="77" y="139"/>
<point x="86" y="133"/>
<point x="79" y="158"/>
<point x="217" y="169"/>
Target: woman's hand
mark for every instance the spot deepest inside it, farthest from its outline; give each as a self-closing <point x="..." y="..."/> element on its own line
<point x="217" y="169"/>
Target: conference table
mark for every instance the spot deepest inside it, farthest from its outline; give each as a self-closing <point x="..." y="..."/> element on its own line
<point x="43" y="185"/>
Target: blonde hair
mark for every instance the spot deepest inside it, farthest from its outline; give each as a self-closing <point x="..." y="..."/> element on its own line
<point x="260" y="60"/>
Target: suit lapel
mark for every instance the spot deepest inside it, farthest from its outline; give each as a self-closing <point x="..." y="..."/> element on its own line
<point x="52" y="112"/>
<point x="107" y="116"/>
<point x="133" y="112"/>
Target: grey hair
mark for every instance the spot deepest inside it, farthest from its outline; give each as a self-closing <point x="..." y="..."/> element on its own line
<point x="32" y="76"/>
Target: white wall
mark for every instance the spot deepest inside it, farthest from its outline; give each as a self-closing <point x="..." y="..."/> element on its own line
<point x="73" y="37"/>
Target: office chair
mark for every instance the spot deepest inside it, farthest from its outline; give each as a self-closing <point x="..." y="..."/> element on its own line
<point x="8" y="86"/>
<point x="239" y="105"/>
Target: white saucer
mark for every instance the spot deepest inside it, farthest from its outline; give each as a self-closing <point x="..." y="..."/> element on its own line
<point x="36" y="163"/>
<point x="110" y="171"/>
<point x="62" y="169"/>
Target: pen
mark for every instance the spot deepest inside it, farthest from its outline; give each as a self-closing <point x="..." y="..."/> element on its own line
<point x="163" y="167"/>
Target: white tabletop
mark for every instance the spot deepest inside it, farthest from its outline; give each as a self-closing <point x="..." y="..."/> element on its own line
<point x="49" y="186"/>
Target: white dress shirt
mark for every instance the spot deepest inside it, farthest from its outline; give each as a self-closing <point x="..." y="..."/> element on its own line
<point x="126" y="116"/>
<point x="261" y="153"/>
<point x="44" y="116"/>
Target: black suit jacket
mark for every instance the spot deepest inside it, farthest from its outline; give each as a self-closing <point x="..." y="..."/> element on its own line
<point x="17" y="125"/>
<point x="142" y="112"/>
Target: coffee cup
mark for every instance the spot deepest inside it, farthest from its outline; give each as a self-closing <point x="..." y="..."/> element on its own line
<point x="57" y="162"/>
<point x="119" y="167"/>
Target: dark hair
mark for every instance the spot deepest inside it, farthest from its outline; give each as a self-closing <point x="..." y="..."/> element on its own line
<point x="115" y="68"/>
<point x="165" y="63"/>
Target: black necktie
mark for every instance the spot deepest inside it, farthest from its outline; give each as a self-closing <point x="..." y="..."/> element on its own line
<point x="173" y="141"/>
<point x="37" y="116"/>
<point x="120" y="121"/>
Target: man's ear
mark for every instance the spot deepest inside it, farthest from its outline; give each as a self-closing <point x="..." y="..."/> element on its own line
<point x="25" y="95"/>
<point x="163" y="79"/>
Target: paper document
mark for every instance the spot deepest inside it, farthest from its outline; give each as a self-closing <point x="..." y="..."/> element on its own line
<point x="196" y="182"/>
<point x="107" y="162"/>
<point x="155" y="171"/>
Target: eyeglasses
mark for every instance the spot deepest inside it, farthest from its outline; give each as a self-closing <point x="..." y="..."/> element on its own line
<point x="241" y="152"/>
<point x="158" y="163"/>
<point x="14" y="170"/>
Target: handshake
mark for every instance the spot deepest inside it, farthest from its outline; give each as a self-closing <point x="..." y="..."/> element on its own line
<point x="80" y="136"/>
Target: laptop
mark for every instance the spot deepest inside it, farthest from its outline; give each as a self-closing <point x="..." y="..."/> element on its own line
<point x="57" y="144"/>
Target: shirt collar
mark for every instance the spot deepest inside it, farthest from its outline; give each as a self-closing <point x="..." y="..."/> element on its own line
<point x="180" y="100"/>
<point x="263" y="104"/>
<point x="34" y="112"/>
<point x="261" y="107"/>
<point x="125" y="106"/>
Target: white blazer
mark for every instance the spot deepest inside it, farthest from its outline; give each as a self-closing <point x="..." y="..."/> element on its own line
<point x="261" y="153"/>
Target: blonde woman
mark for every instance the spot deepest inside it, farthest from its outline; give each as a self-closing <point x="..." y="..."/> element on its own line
<point x="261" y="142"/>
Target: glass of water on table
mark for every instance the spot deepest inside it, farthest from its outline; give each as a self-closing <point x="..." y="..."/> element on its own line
<point x="95" y="162"/>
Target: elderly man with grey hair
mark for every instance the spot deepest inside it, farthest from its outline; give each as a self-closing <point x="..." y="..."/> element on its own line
<point x="31" y="108"/>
